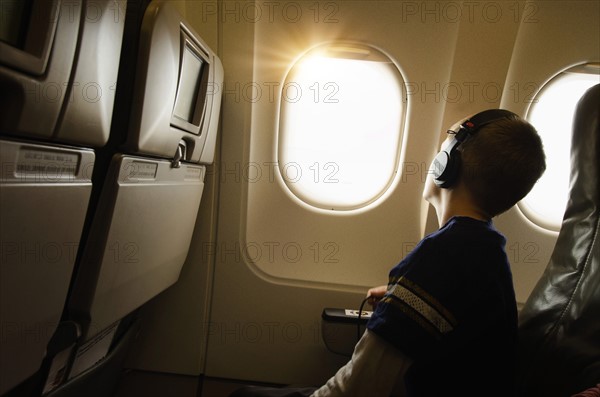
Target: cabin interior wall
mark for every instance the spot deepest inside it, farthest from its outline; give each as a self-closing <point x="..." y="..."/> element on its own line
<point x="266" y="327"/>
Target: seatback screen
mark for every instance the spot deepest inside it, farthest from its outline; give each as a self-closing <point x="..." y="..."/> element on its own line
<point x="189" y="85"/>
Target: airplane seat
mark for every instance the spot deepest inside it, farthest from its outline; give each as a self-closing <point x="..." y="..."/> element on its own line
<point x="150" y="183"/>
<point x="559" y="326"/>
<point x="55" y="109"/>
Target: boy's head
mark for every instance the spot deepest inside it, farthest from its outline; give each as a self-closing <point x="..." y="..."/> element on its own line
<point x="498" y="159"/>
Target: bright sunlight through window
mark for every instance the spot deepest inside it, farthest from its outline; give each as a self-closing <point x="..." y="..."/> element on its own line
<point x="342" y="111"/>
<point x="551" y="114"/>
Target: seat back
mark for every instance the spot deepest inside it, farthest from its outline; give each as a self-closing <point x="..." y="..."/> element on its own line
<point x="559" y="326"/>
<point x="56" y="106"/>
<point x="151" y="175"/>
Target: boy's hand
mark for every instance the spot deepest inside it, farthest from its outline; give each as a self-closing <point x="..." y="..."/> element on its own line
<point x="375" y="294"/>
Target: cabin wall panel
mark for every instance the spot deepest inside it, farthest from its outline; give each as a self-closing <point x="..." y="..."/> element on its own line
<point x="266" y="327"/>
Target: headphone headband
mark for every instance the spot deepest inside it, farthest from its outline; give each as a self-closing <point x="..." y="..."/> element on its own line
<point x="480" y="119"/>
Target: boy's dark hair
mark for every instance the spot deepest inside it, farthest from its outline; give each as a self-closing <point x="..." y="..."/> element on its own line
<point x="501" y="162"/>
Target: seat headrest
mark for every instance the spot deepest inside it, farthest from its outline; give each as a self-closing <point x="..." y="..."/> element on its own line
<point x="585" y="152"/>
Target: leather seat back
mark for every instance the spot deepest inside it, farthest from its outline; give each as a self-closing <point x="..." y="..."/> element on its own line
<point x="560" y="322"/>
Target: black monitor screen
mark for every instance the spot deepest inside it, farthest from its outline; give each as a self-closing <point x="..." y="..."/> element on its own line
<point x="14" y="18"/>
<point x="189" y="84"/>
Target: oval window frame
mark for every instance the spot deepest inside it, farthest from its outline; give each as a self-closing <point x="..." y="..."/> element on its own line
<point x="525" y="206"/>
<point x="338" y="50"/>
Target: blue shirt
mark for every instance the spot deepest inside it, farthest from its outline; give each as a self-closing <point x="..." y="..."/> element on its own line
<point x="450" y="306"/>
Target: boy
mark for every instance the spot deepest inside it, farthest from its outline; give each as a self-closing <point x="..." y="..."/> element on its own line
<point x="446" y="324"/>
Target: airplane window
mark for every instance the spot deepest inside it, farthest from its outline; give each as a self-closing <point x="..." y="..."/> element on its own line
<point x="551" y="113"/>
<point x="342" y="111"/>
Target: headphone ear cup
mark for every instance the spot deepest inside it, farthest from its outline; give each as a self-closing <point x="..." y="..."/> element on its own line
<point x="453" y="168"/>
<point x="445" y="168"/>
<point x="438" y="167"/>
